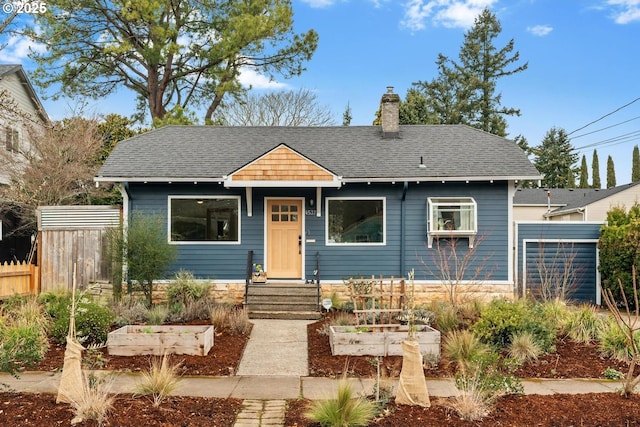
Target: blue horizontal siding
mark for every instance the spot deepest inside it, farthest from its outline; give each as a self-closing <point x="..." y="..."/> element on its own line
<point x="395" y="258"/>
<point x="584" y="254"/>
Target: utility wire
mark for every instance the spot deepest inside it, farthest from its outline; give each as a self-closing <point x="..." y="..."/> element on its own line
<point x="605" y="128"/>
<point x="606" y="115"/>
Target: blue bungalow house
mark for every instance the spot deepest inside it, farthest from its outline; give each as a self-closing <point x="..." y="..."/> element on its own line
<point x="325" y="203"/>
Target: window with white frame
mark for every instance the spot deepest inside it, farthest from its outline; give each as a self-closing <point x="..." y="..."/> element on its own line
<point x="359" y="221"/>
<point x="452" y="216"/>
<point x="204" y="219"/>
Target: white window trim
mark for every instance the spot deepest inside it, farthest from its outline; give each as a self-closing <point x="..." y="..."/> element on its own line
<point x="328" y="213"/>
<point x="204" y="242"/>
<point x="433" y="202"/>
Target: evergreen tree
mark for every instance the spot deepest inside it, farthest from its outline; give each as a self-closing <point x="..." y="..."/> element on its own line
<point x="465" y="91"/>
<point x="555" y="158"/>
<point x="635" y="165"/>
<point x="584" y="173"/>
<point x="346" y="116"/>
<point x="595" y="171"/>
<point x="611" y="173"/>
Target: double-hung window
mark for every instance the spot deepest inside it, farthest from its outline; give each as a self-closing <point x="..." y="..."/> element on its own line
<point x="355" y="221"/>
<point x="452" y="217"/>
<point x="194" y="219"/>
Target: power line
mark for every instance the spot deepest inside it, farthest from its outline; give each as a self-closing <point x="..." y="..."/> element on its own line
<point x="605" y="128"/>
<point x="606" y="115"/>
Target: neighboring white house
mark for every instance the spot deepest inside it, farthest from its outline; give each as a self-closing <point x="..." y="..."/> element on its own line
<point x="572" y="204"/>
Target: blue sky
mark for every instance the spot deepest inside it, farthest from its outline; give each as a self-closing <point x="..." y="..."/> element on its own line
<point x="583" y="56"/>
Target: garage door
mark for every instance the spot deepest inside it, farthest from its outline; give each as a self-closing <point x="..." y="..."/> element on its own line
<point x="552" y="265"/>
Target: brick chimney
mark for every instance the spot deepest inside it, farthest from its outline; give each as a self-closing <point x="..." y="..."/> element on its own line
<point x="390" y="114"/>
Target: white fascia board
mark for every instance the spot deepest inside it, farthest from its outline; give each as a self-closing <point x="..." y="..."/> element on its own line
<point x="156" y="179"/>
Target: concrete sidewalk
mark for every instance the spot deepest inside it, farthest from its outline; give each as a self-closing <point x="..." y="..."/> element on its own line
<point x="289" y="387"/>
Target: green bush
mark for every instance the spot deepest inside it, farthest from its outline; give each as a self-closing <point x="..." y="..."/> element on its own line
<point x="23" y="336"/>
<point x="502" y="319"/>
<point x="619" y="246"/>
<point x="93" y="321"/>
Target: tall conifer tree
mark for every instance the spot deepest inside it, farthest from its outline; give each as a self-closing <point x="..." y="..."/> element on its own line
<point x="635" y="165"/>
<point x="555" y="158"/>
<point x="584" y="173"/>
<point x="595" y="171"/>
<point x="611" y="173"/>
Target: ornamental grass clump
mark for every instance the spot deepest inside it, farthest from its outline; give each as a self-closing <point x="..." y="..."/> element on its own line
<point x="23" y="335"/>
<point x="95" y="402"/>
<point x="160" y="380"/>
<point x="345" y="410"/>
<point x="463" y="347"/>
<point x="524" y="347"/>
<point x="584" y="324"/>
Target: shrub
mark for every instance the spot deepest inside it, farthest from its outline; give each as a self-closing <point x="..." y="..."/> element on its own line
<point x="583" y="324"/>
<point x="235" y="320"/>
<point x="157" y="315"/>
<point x="129" y="312"/>
<point x="160" y="380"/>
<point x="502" y="319"/>
<point x="93" y="321"/>
<point x="619" y="251"/>
<point x="345" y="410"/>
<point x="488" y="378"/>
<point x="188" y="298"/>
<point x="613" y="342"/>
<point x="446" y="317"/>
<point x="343" y="319"/>
<point x="23" y="336"/>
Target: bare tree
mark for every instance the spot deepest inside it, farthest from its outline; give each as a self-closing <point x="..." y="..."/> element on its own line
<point x="629" y="324"/>
<point x="282" y="108"/>
<point x="555" y="277"/>
<point x="457" y="269"/>
<point x="56" y="168"/>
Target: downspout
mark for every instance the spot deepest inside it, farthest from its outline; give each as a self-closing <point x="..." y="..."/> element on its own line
<point x="402" y="230"/>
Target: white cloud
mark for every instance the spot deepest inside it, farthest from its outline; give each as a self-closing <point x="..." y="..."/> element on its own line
<point x="251" y="78"/>
<point x="17" y="49"/>
<point x="448" y="13"/>
<point x="625" y="11"/>
<point x="319" y="3"/>
<point x="540" y="30"/>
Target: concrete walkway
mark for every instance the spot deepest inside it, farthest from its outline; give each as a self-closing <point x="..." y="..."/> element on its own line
<point x="276" y="347"/>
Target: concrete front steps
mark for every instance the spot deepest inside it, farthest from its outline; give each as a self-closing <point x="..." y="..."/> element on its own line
<point x="283" y="301"/>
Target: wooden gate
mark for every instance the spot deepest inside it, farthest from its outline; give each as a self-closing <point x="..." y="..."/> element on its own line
<point x="18" y="278"/>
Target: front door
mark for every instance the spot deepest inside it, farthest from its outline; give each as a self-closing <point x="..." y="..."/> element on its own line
<point x="284" y="238"/>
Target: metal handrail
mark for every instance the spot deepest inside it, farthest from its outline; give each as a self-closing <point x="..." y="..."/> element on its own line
<point x="316" y="274"/>
<point x="248" y="274"/>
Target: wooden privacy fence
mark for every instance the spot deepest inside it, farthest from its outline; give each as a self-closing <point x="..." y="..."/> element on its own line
<point x="74" y="235"/>
<point x="18" y="278"/>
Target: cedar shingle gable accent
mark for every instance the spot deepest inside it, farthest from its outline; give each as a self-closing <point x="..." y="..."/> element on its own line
<point x="282" y="164"/>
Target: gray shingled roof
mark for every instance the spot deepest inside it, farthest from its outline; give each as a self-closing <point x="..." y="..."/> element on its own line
<point x="353" y="152"/>
<point x="567" y="199"/>
<point x="8" y="69"/>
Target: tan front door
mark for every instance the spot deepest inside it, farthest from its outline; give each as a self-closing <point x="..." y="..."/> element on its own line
<point x="284" y="239"/>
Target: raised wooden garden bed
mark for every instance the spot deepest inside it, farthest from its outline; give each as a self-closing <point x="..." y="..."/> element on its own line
<point x="134" y="340"/>
<point x="380" y="341"/>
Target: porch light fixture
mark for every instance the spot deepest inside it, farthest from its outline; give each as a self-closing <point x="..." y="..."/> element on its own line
<point x="199" y="201"/>
<point x="422" y="165"/>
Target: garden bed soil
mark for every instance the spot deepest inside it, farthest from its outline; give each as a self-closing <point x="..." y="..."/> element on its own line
<point x="570" y="360"/>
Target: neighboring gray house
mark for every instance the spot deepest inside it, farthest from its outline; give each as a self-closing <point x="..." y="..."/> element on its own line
<point x="562" y="225"/>
<point x="326" y="202"/>
<point x="20" y="113"/>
